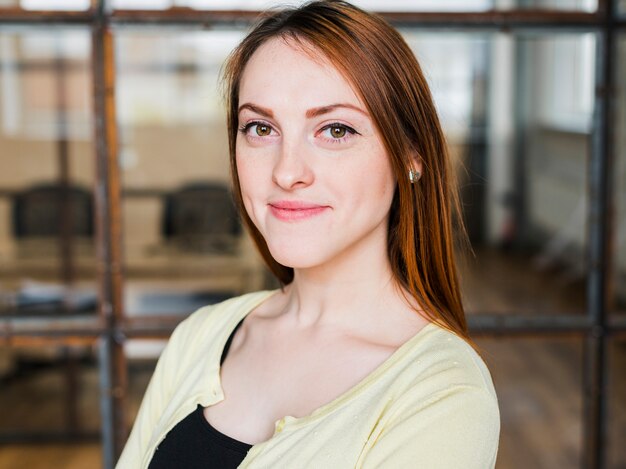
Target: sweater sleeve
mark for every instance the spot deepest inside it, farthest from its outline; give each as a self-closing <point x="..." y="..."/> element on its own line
<point x="157" y="395"/>
<point x="456" y="429"/>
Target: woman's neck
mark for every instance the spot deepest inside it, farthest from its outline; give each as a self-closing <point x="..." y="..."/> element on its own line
<point x="353" y="288"/>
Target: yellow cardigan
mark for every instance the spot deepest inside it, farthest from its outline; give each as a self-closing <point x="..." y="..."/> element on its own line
<point x="430" y="405"/>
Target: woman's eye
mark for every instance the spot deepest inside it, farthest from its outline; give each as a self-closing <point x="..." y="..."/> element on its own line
<point x="337" y="131"/>
<point x="262" y="130"/>
<point x="256" y="129"/>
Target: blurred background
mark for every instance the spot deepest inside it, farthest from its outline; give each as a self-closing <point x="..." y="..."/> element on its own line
<point x="116" y="218"/>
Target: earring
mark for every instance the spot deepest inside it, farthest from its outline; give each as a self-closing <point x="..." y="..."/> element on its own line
<point x="414" y="175"/>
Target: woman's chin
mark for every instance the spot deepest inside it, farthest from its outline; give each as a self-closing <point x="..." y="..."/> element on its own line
<point x="296" y="258"/>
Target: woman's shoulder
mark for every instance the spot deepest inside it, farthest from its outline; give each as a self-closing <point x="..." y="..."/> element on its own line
<point x="440" y="362"/>
<point x="444" y="411"/>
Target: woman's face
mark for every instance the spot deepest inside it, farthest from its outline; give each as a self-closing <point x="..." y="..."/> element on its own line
<point x="315" y="178"/>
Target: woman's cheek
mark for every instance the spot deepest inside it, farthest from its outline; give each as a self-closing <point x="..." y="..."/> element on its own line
<point x="246" y="184"/>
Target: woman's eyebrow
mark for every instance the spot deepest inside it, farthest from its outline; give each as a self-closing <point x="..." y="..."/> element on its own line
<point x="258" y="109"/>
<point x="314" y="112"/>
<point x="318" y="111"/>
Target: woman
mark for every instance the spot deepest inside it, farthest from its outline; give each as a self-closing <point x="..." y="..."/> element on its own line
<point x="363" y="358"/>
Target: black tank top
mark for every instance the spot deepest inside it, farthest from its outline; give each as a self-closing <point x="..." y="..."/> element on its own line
<point x="194" y="443"/>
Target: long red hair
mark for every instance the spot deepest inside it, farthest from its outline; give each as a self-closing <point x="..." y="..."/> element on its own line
<point x="383" y="70"/>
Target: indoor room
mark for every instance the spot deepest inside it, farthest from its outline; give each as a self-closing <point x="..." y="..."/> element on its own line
<point x="118" y="216"/>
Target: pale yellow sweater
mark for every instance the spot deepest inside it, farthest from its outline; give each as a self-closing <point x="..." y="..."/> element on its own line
<point x="431" y="404"/>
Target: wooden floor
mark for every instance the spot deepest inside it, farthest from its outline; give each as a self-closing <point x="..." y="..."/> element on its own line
<point x="538" y="380"/>
<point x="77" y="456"/>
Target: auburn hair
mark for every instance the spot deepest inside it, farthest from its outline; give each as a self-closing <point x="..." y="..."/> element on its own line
<point x="384" y="72"/>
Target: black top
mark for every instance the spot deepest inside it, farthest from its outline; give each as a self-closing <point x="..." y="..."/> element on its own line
<point x="194" y="443"/>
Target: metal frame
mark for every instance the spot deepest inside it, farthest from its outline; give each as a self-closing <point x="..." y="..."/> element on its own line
<point x="112" y="329"/>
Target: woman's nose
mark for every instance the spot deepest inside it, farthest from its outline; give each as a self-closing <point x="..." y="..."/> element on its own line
<point x="291" y="170"/>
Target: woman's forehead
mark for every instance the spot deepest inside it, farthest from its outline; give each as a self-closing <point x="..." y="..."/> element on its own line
<point x="294" y="71"/>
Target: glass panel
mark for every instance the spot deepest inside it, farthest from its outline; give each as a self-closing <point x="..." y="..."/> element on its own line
<point x="184" y="244"/>
<point x="619" y="248"/>
<point x="47" y="253"/>
<point x="540" y="398"/>
<point x="49" y="5"/>
<point x="141" y="357"/>
<point x="374" y="5"/>
<point x="617" y="405"/>
<point x="517" y="113"/>
<point x="59" y="382"/>
<point x="621" y="7"/>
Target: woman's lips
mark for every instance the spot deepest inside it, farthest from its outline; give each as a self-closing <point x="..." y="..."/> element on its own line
<point x="290" y="210"/>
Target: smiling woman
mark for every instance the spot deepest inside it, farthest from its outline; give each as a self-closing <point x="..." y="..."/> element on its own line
<point x="305" y="148"/>
<point x="362" y="358"/>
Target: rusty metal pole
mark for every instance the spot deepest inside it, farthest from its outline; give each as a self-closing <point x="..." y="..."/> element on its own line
<point x="600" y="245"/>
<point x="113" y="379"/>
